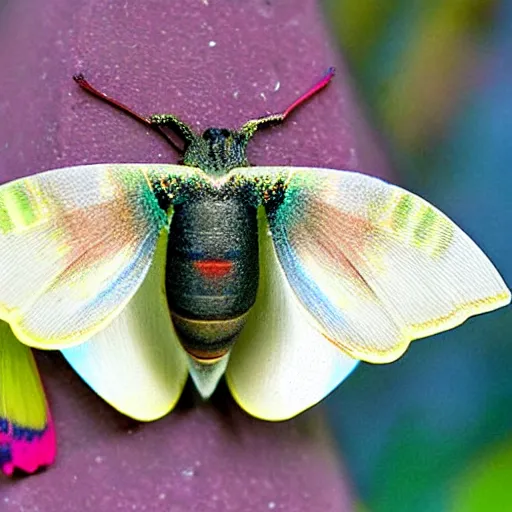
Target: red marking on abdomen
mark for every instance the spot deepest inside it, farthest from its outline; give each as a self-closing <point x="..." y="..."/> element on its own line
<point x="213" y="268"/>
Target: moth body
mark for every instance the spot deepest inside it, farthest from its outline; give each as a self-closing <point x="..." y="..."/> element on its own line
<point x="212" y="257"/>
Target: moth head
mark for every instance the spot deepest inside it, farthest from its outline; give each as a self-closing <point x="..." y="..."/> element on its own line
<point x="217" y="135"/>
<point x="217" y="150"/>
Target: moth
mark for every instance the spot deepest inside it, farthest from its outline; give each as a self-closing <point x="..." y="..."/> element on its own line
<point x="279" y="278"/>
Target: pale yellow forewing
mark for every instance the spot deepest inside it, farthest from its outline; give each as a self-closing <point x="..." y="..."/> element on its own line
<point x="374" y="265"/>
<point x="75" y="244"/>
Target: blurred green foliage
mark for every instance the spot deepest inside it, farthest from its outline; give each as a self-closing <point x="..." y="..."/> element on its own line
<point x="433" y="431"/>
<point x="415" y="61"/>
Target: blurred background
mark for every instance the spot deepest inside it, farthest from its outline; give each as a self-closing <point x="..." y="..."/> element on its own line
<point x="433" y="432"/>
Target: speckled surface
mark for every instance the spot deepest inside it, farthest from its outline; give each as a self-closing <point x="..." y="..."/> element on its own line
<point x="212" y="62"/>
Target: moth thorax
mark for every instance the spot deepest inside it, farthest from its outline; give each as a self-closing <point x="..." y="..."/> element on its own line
<point x="212" y="272"/>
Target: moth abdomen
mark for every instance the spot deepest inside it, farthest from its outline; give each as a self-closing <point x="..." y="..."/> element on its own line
<point x="212" y="271"/>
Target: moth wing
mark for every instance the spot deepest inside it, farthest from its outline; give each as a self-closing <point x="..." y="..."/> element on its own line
<point x="280" y="364"/>
<point x="374" y="265"/>
<point x="136" y="363"/>
<point x="27" y="436"/>
<point x="75" y="244"/>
